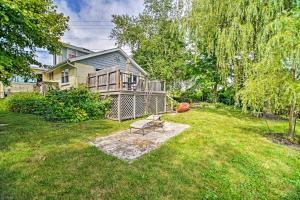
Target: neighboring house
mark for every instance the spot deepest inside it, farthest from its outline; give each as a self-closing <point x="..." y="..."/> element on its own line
<point x="20" y="84"/>
<point x="72" y="67"/>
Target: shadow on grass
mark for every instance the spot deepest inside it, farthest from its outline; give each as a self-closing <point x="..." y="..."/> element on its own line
<point x="35" y="131"/>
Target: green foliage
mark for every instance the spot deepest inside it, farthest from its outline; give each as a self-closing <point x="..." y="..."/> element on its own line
<point x="227" y="96"/>
<point x="256" y="44"/>
<point x="74" y="105"/>
<point x="273" y="83"/>
<point x="232" y="31"/>
<point x="24" y="27"/>
<point x="155" y="38"/>
<point x="29" y="103"/>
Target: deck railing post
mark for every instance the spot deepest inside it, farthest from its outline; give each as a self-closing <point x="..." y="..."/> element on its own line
<point x="147" y="85"/>
<point x="118" y="79"/>
<point x="121" y="81"/>
<point x="107" y="81"/>
<point x="97" y="82"/>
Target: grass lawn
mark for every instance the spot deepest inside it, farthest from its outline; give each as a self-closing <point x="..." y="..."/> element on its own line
<point x="222" y="156"/>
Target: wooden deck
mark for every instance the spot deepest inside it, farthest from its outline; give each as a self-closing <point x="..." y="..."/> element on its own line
<point x="108" y="81"/>
<point x="132" y="95"/>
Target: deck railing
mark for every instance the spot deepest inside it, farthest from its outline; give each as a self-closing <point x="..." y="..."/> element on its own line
<point x="116" y="80"/>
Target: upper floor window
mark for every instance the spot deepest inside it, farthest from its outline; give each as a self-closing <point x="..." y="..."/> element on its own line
<point x="71" y="53"/>
<point x="65" y="76"/>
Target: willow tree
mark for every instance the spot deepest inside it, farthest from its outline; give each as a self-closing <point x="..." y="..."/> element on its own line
<point x="256" y="44"/>
<point x="274" y="81"/>
<point x="231" y="31"/>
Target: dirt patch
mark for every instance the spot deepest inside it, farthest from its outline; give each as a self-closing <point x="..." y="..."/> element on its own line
<point x="280" y="138"/>
<point x="126" y="146"/>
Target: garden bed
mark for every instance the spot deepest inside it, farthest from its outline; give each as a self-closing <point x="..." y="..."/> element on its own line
<point x="280" y="138"/>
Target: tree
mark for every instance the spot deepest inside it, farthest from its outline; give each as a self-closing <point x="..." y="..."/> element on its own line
<point x="155" y="39"/>
<point x="202" y="72"/>
<point x="256" y="43"/>
<point x="231" y="31"/>
<point x="26" y="26"/>
<point x="274" y="82"/>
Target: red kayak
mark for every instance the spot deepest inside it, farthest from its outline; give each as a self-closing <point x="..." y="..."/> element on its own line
<point x="182" y="107"/>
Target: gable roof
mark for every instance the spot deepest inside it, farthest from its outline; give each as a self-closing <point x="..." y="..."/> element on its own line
<point x="81" y="49"/>
<point x="94" y="54"/>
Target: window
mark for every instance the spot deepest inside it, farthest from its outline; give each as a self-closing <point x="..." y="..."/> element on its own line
<point x="51" y="76"/>
<point x="117" y="59"/>
<point x="65" y="76"/>
<point x="39" y="78"/>
<point x="134" y="78"/>
<point x="71" y="53"/>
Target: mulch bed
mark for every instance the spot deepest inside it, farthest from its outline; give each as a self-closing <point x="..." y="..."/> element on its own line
<point x="280" y="138"/>
<point x="273" y="116"/>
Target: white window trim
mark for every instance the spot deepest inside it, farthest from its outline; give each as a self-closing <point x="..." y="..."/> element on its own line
<point x="63" y="75"/>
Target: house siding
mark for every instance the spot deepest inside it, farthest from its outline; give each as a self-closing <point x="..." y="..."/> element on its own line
<point x="64" y="55"/>
<point x="77" y="75"/>
<point x="57" y="77"/>
<point x="83" y="72"/>
<point x="110" y="60"/>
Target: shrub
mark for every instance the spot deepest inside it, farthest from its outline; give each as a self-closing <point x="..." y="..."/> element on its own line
<point x="227" y="96"/>
<point x="73" y="105"/>
<point x="29" y="103"/>
<point x="76" y="104"/>
<point x="211" y="105"/>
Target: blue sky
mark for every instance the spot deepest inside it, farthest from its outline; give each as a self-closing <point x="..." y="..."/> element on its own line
<point x="90" y="22"/>
<point x="74" y="4"/>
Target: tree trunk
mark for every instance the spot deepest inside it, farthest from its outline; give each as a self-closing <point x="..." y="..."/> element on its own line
<point x="215" y="91"/>
<point x="292" y="122"/>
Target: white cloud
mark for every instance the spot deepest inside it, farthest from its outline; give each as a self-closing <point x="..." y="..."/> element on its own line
<point x="90" y="27"/>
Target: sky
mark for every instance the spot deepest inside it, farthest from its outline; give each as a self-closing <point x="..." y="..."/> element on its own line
<point x="90" y="22"/>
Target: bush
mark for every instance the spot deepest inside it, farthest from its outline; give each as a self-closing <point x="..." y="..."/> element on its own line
<point x="211" y="105"/>
<point x="29" y="103"/>
<point x="73" y="105"/>
<point x="227" y="96"/>
<point x="76" y="104"/>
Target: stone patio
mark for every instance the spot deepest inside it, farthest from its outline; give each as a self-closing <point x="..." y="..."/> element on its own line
<point x="126" y="146"/>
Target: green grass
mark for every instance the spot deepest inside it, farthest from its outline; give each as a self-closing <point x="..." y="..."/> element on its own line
<point x="224" y="155"/>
